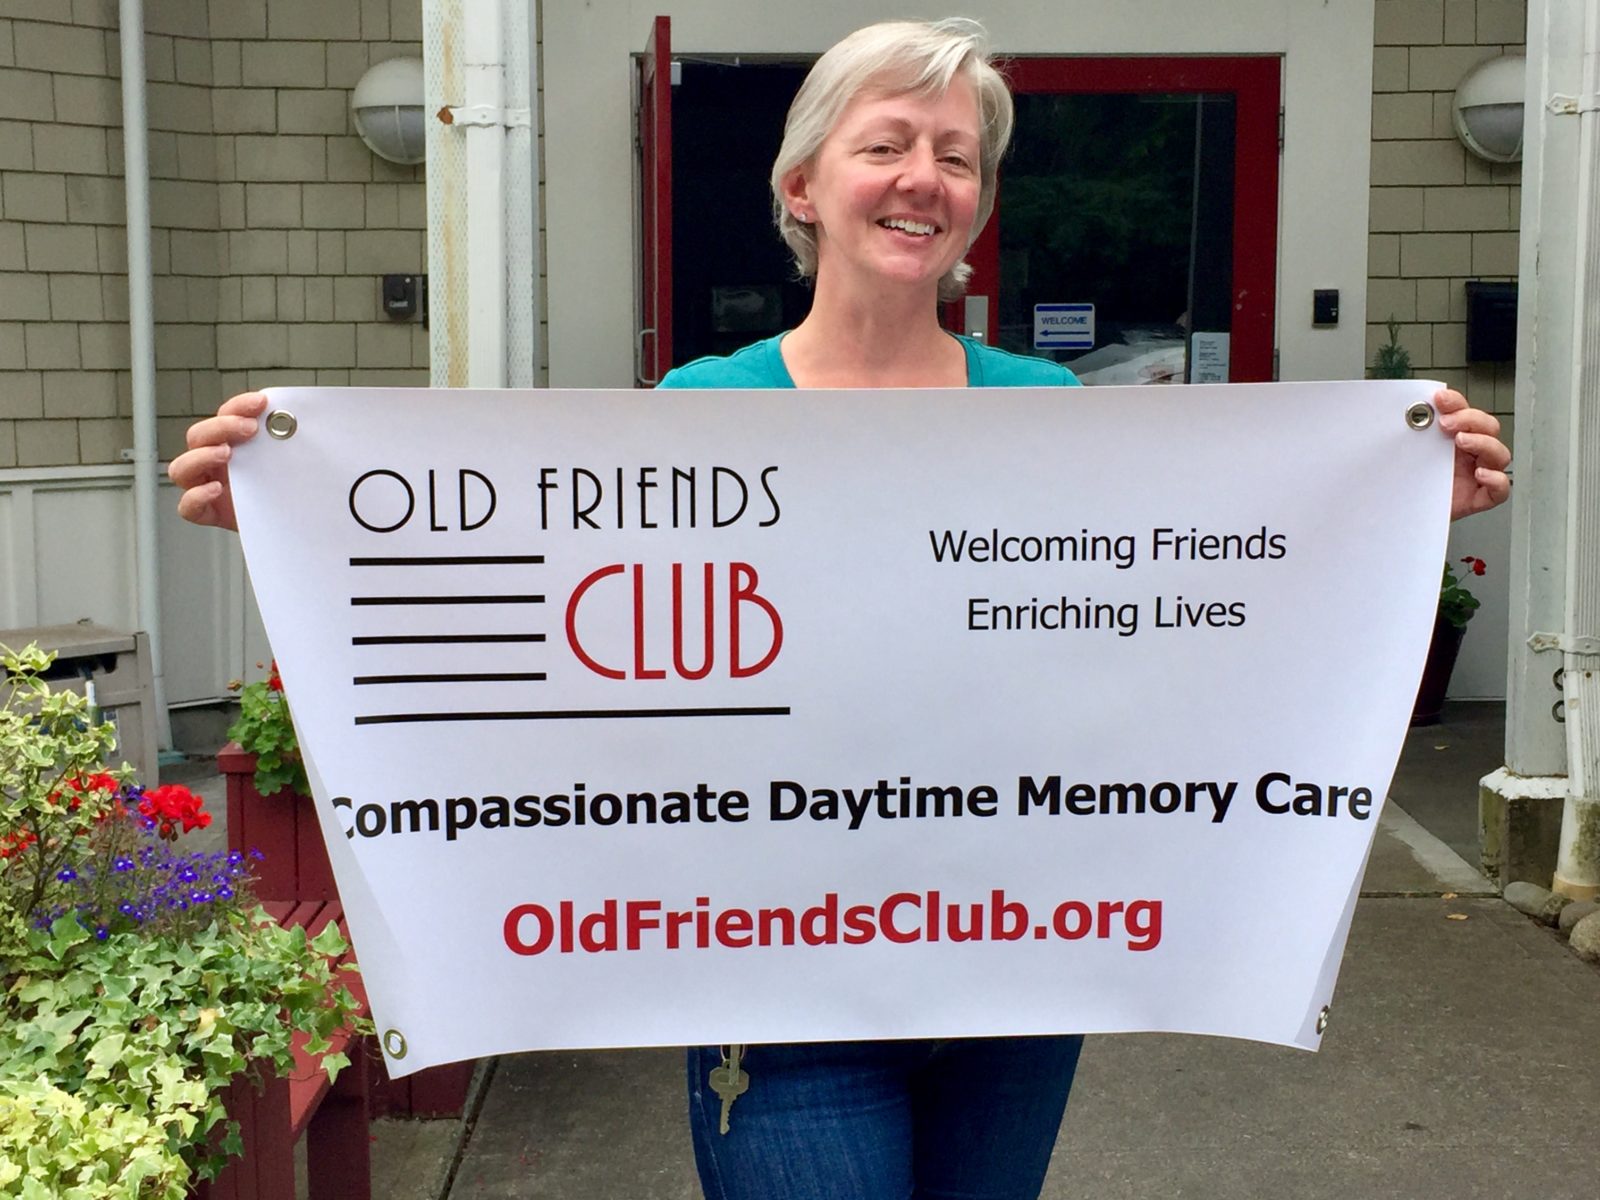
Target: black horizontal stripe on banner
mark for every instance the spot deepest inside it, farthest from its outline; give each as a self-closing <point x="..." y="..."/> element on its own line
<point x="443" y="639"/>
<point x="572" y="714"/>
<point x="360" y="601"/>
<point x="479" y="677"/>
<point x="449" y="560"/>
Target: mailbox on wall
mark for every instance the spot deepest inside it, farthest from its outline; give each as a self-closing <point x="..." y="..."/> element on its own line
<point x="1491" y="321"/>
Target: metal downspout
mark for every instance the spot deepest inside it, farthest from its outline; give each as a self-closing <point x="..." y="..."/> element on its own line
<point x="141" y="337"/>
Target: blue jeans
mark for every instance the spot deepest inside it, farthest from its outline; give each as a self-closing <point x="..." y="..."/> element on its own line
<point x="967" y="1119"/>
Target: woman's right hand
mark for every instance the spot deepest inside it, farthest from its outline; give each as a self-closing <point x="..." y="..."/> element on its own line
<point x="202" y="470"/>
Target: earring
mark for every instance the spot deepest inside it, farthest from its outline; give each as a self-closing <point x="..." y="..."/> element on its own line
<point x="803" y="218"/>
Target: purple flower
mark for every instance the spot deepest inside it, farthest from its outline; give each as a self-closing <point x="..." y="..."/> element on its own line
<point x="66" y="875"/>
<point x="122" y="863"/>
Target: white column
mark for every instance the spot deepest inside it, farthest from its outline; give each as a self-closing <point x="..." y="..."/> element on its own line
<point x="1553" y="718"/>
<point x="1578" y="865"/>
<point x="480" y="66"/>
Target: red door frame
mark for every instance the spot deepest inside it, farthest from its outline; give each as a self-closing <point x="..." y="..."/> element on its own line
<point x="1254" y="81"/>
<point x="653" y="338"/>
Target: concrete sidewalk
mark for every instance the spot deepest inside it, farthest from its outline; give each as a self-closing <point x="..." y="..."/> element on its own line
<point x="1463" y="1060"/>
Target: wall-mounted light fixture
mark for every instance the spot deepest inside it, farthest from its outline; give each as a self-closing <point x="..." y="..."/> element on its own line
<point x="387" y="104"/>
<point x="1488" y="109"/>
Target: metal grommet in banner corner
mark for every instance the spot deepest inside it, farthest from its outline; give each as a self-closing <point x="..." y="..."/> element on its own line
<point x="394" y="1044"/>
<point x="1419" y="415"/>
<point x="281" y="424"/>
<point x="1322" y="1020"/>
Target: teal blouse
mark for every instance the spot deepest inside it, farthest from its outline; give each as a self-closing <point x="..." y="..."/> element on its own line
<point x="760" y="365"/>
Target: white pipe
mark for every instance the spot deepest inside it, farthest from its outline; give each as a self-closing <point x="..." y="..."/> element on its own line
<point x="535" y="217"/>
<point x="141" y="337"/>
<point x="486" y="241"/>
<point x="1578" y="861"/>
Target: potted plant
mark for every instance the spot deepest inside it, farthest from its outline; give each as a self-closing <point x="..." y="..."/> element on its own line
<point x="138" y="979"/>
<point x="1392" y="361"/>
<point x="266" y="730"/>
<point x="1456" y="606"/>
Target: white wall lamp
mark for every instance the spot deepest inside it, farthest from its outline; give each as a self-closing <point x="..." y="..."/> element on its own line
<point x="387" y="104"/>
<point x="1488" y="109"/>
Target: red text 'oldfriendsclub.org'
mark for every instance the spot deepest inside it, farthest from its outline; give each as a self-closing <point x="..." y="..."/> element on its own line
<point x="902" y="918"/>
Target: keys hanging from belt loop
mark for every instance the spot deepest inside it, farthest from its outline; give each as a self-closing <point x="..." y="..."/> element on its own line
<point x="729" y="1082"/>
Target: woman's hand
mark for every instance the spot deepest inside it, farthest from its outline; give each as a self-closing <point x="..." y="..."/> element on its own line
<point x="1481" y="457"/>
<point x="202" y="470"/>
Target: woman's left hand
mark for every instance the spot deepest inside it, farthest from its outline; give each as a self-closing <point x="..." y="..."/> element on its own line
<point x="1481" y="457"/>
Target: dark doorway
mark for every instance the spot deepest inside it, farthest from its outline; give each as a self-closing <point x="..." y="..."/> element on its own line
<point x="733" y="280"/>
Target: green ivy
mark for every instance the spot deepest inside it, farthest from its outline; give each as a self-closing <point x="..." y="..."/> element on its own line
<point x="117" y="1055"/>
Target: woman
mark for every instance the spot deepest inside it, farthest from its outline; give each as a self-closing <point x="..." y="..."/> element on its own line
<point x="886" y="174"/>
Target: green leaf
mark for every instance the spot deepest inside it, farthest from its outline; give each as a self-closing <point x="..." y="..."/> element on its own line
<point x="330" y="942"/>
<point x="334" y="1063"/>
<point x="105" y="1054"/>
<point x="65" y="933"/>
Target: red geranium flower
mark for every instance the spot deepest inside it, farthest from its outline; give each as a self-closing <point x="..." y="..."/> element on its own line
<point x="172" y="805"/>
<point x="1478" y="565"/>
<point x="274" y="680"/>
<point x="73" y="789"/>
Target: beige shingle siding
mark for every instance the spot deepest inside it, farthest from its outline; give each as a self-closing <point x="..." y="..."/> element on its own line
<point x="1439" y="215"/>
<point x="271" y="220"/>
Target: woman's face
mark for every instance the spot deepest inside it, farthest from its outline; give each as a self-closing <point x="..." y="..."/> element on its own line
<point x="893" y="191"/>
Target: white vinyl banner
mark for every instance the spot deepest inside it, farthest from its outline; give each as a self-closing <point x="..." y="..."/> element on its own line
<point x="643" y="718"/>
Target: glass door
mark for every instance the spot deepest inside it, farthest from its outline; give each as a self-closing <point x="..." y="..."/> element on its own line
<point x="1135" y="228"/>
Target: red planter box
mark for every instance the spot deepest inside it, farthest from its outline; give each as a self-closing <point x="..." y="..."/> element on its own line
<point x="295" y="868"/>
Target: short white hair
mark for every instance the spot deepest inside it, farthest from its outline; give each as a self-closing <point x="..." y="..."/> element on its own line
<point x="894" y="58"/>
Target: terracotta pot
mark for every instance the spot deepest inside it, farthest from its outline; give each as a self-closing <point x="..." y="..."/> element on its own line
<point x="1441" y="662"/>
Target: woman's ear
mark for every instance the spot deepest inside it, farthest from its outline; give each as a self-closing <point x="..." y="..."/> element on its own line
<point x="796" y="195"/>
